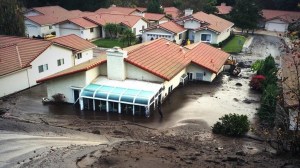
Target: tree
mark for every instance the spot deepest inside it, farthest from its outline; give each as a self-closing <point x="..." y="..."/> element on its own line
<point x="11" y="18"/>
<point x="127" y="35"/>
<point x="246" y="14"/>
<point x="112" y="29"/>
<point x="154" y="7"/>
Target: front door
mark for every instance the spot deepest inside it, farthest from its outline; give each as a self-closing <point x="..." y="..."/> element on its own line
<point x="76" y="97"/>
<point x="190" y="76"/>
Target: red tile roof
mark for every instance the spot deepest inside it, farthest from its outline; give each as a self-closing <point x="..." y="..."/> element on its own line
<point x="50" y="10"/>
<point x="161" y="58"/>
<point x="169" y="26"/>
<point x="119" y="10"/>
<point x="223" y="9"/>
<point x="74" y="42"/>
<point x="174" y="12"/>
<point x="214" y="22"/>
<point x="17" y="53"/>
<point x="288" y="16"/>
<point x="75" y="69"/>
<point x="208" y="57"/>
<point x="153" y="16"/>
<point x="103" y="19"/>
<point x="81" y="22"/>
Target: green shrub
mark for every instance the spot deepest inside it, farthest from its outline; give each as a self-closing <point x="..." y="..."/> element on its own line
<point x="232" y="125"/>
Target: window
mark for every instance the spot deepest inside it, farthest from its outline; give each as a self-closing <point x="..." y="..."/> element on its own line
<point x="50" y="27"/>
<point x="91" y="30"/>
<point x="81" y="32"/>
<point x="43" y="68"/>
<point x="60" y="62"/>
<point x="206" y="37"/>
<point x="134" y="30"/>
<point x="180" y="36"/>
<point x="79" y="55"/>
<point x="143" y="27"/>
<point x="170" y="89"/>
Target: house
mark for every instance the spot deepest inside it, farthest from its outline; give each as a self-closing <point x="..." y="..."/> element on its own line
<point x="276" y="20"/>
<point x="120" y="10"/>
<point x="40" y="21"/>
<point x="79" y="26"/>
<point x="155" y="18"/>
<point x="135" y="23"/>
<point x="273" y="20"/>
<point x="27" y="60"/>
<point x="173" y="12"/>
<point x="135" y="79"/>
<point x="205" y="27"/>
<point x="168" y="30"/>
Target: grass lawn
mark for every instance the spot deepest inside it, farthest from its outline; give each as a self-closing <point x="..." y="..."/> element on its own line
<point x="109" y="43"/>
<point x="235" y="45"/>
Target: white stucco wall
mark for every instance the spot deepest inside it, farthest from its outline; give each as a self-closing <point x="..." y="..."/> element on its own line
<point x="86" y="55"/>
<point x="50" y="57"/>
<point x="157" y="33"/>
<point x="191" y="24"/>
<point x="193" y="68"/>
<point x="174" y="82"/>
<point x="13" y="82"/>
<point x="179" y="41"/>
<point x="133" y="72"/>
<point x="276" y="25"/>
<point x="139" y="26"/>
<point x="63" y="85"/>
<point x="67" y="28"/>
<point x="32" y="29"/>
<point x="213" y="36"/>
<point x="87" y="34"/>
<point x="32" y="13"/>
<point x="45" y="29"/>
<point x="223" y="35"/>
<point x="92" y="74"/>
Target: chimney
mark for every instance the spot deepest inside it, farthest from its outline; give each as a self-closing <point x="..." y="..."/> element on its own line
<point x="188" y="12"/>
<point x="116" y="69"/>
<point x="223" y="4"/>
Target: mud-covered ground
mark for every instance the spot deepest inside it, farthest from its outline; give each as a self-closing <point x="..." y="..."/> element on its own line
<point x="37" y="135"/>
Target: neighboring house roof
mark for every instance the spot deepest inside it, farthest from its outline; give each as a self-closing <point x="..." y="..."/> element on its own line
<point x="174" y="12"/>
<point x="51" y="10"/>
<point x="17" y="53"/>
<point x="169" y="26"/>
<point x="77" y="68"/>
<point x="154" y="16"/>
<point x="161" y="58"/>
<point x="103" y="19"/>
<point x="80" y="22"/>
<point x="288" y="16"/>
<point x="141" y="9"/>
<point x="74" y="42"/>
<point x="223" y="9"/>
<point x="120" y="10"/>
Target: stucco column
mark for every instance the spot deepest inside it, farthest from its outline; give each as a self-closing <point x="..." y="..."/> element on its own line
<point x="107" y="108"/>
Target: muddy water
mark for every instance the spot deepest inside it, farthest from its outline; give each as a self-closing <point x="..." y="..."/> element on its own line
<point x="204" y="101"/>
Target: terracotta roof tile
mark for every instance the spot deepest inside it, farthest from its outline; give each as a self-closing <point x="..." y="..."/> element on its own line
<point x="120" y="10"/>
<point x="214" y="22"/>
<point x="153" y="16"/>
<point x="289" y="16"/>
<point x="81" y="22"/>
<point x="75" y="69"/>
<point x="169" y="26"/>
<point x="103" y="19"/>
<point x="74" y="42"/>
<point x="208" y="57"/>
<point x="223" y="9"/>
<point x="18" y="52"/>
<point x="174" y="12"/>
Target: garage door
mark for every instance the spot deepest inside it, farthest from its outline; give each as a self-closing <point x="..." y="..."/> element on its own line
<point x="64" y="32"/>
<point x="279" y="27"/>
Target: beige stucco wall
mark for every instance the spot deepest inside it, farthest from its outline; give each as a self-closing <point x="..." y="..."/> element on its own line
<point x="139" y="26"/>
<point x="224" y="35"/>
<point x="86" y="55"/>
<point x="175" y="81"/>
<point x="92" y="74"/>
<point x="133" y="72"/>
<point x="13" y="82"/>
<point x="63" y="85"/>
<point x="213" y="36"/>
<point x="179" y="41"/>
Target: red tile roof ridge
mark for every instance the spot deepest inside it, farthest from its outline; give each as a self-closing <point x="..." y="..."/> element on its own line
<point x="141" y="45"/>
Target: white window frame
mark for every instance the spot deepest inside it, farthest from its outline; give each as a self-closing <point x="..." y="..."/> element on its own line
<point x="206" y="34"/>
<point x="43" y="68"/>
<point x="60" y="62"/>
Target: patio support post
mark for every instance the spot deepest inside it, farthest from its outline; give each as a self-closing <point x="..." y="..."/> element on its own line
<point x="119" y="108"/>
<point x="81" y="103"/>
<point x="107" y="109"/>
<point x="94" y="106"/>
<point x="133" y="110"/>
